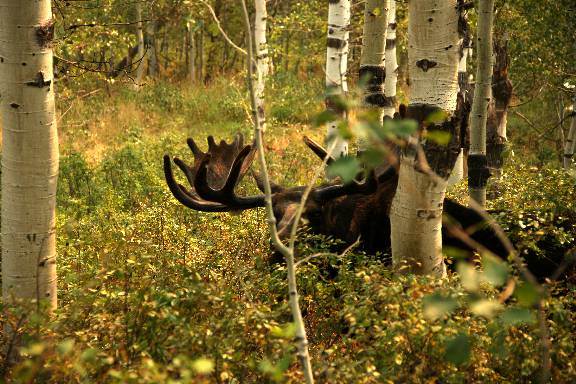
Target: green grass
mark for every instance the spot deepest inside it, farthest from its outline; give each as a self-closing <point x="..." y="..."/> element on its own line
<point x="151" y="292"/>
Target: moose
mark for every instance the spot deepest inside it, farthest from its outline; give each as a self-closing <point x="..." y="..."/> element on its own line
<point x="343" y="211"/>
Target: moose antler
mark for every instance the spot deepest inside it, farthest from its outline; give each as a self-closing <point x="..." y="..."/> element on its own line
<point x="213" y="176"/>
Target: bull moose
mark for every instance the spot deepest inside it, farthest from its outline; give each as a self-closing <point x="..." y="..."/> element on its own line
<point x="343" y="211"/>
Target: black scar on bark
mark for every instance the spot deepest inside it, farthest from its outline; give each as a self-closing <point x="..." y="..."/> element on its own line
<point x="390" y="43"/>
<point x="426" y="64"/>
<point x="478" y="171"/>
<point x="440" y="158"/>
<point x="15" y="105"/>
<point x="39" y="81"/>
<point x="333" y="1"/>
<point x="335" y="43"/>
<point x="45" y="34"/>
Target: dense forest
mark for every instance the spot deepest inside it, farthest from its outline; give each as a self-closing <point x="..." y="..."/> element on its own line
<point x="279" y="191"/>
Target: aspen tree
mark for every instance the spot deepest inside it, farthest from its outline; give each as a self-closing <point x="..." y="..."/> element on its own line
<point x="336" y="67"/>
<point x="29" y="153"/>
<point x="416" y="212"/>
<point x="372" y="61"/>
<point x="478" y="172"/>
<point x="391" y="63"/>
<point x="463" y="90"/>
<point x="141" y="52"/>
<point x="496" y="125"/>
<point x="262" y="59"/>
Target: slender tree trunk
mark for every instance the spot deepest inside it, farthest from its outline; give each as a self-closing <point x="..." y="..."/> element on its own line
<point x="416" y="212"/>
<point x="29" y="153"/>
<point x="141" y="47"/>
<point x="201" y="52"/>
<point x="262" y="59"/>
<point x="152" y="51"/>
<point x="336" y="67"/>
<point x="496" y="136"/>
<point x="191" y="52"/>
<point x="372" y="72"/>
<point x="478" y="172"/>
<point x="570" y="139"/>
<point x="391" y="63"/>
<point x="464" y="92"/>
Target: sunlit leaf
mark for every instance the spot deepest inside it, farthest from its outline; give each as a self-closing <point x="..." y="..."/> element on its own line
<point x="436" y="305"/>
<point x="485" y="308"/>
<point x="468" y="276"/>
<point x="439" y="137"/>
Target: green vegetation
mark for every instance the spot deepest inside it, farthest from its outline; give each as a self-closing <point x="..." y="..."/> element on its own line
<point x="151" y="292"/>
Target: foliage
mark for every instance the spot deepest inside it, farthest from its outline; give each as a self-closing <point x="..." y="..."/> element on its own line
<point x="152" y="292"/>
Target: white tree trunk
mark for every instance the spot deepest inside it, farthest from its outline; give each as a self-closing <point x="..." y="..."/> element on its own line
<point x="372" y="72"/>
<point x="477" y="162"/>
<point x="29" y="153"/>
<point x="465" y="51"/>
<point x="336" y="66"/>
<point x="570" y="139"/>
<point x="416" y="212"/>
<point x="140" y="37"/>
<point x="391" y="62"/>
<point x="262" y="59"/>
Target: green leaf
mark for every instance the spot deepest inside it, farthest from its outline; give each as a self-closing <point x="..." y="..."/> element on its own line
<point x="377" y="11"/>
<point x="372" y="157"/>
<point x="468" y="276"/>
<point x="495" y="270"/>
<point x="65" y="346"/>
<point x="439" y="137"/>
<point x="436" y="305"/>
<point x="400" y="128"/>
<point x="436" y="117"/>
<point x="458" y="349"/>
<point x="346" y="167"/>
<point x="485" y="308"/>
<point x="515" y="316"/>
<point x="527" y="293"/>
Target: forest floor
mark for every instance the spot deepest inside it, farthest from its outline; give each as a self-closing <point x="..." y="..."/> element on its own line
<point x="151" y="292"/>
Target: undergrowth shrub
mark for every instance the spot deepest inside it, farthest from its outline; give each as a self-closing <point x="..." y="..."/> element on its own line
<point x="151" y="292"/>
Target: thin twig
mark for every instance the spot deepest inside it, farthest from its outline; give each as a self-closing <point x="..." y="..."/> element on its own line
<point x="325" y="254"/>
<point x="224" y="34"/>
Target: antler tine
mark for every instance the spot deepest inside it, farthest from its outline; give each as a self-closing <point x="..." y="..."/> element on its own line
<point x="194" y="148"/>
<point x="186" y="169"/>
<point x="317" y="149"/>
<point x="367" y="187"/>
<point x="186" y="198"/>
<point x="226" y="194"/>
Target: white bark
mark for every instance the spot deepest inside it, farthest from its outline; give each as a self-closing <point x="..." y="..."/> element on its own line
<point x="141" y="52"/>
<point x="391" y="62"/>
<point x="482" y="96"/>
<point x="570" y="139"/>
<point x="262" y="58"/>
<point x="29" y="153"/>
<point x="416" y="212"/>
<point x="337" y="65"/>
<point x="372" y="61"/>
